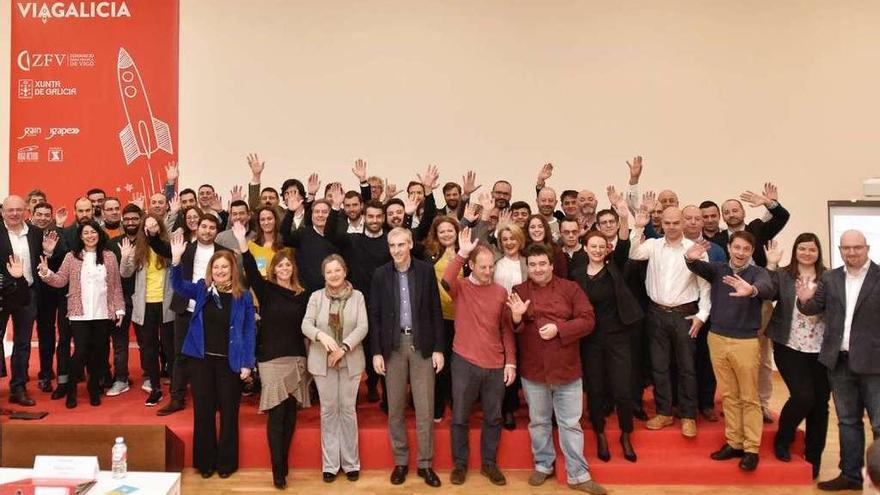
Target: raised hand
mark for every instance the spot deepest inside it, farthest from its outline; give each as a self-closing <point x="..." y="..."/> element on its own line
<point x="773" y="251"/>
<point x="293" y="200"/>
<point x="43" y="266"/>
<point x="240" y="232"/>
<point x="172" y="172"/>
<point x="643" y="216"/>
<point x="517" y="306"/>
<point x="466" y="245"/>
<point x="174" y="205"/>
<point x="256" y="165"/>
<point x="236" y="194"/>
<point x="649" y="199"/>
<point x="505" y="216"/>
<point x="468" y="182"/>
<point x="754" y="199"/>
<point x="806" y="289"/>
<point x="697" y="250"/>
<point x="50" y="240"/>
<point x="216" y="202"/>
<point x="151" y="226"/>
<point x="360" y="170"/>
<point x="314" y="184"/>
<point x="336" y="195"/>
<point x="410" y="205"/>
<point x="486" y="200"/>
<point x="545" y="173"/>
<point x="390" y="190"/>
<point x="430" y="178"/>
<point x="771" y="192"/>
<point x="471" y="212"/>
<point x="635" y="170"/>
<point x="126" y="248"/>
<point x="178" y="246"/>
<point x="14" y="267"/>
<point x="137" y="199"/>
<point x="741" y="288"/>
<point x="61" y="216"/>
<point x="614" y="197"/>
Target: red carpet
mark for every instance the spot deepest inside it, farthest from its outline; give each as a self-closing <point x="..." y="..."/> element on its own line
<point x="665" y="457"/>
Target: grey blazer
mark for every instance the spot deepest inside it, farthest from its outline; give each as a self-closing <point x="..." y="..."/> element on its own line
<point x="864" y="339"/>
<point x="139" y="298"/>
<point x="354" y="329"/>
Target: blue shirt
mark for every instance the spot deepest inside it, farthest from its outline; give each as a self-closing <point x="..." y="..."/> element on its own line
<point x="405" y="306"/>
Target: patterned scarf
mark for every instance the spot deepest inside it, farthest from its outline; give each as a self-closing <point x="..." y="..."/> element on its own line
<point x="337" y="306"/>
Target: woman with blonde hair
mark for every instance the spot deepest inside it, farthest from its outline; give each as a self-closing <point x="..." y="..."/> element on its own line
<point x="336" y="323"/>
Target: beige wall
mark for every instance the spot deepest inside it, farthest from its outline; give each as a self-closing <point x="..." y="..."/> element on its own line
<point x="718" y="96"/>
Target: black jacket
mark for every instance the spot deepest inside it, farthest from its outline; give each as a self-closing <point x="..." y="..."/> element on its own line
<point x="384" y="309"/>
<point x="628" y="309"/>
<point x="35" y="247"/>
<point x="763" y="232"/>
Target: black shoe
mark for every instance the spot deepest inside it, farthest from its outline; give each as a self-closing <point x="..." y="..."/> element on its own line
<point x="171" y="408"/>
<point x="726" y="452"/>
<point x="458" y="475"/>
<point x="353" y="475"/>
<point x="509" y="421"/>
<point x="430" y="477"/>
<point x="95" y="399"/>
<point x="628" y="452"/>
<point x="60" y="392"/>
<point x="70" y="402"/>
<point x="45" y="386"/>
<point x="398" y="476"/>
<point x="608" y="410"/>
<point x="816" y="471"/>
<point x="329" y="477"/>
<point x="782" y="453"/>
<point x="839" y="484"/>
<point x="223" y="475"/>
<point x="602" y="448"/>
<point x="372" y="394"/>
<point x="21" y="398"/>
<point x="749" y="462"/>
<point x="496" y="477"/>
<point x="640" y="415"/>
<point x="207" y="474"/>
<point x="383" y="406"/>
<point x="154" y="398"/>
<point x="280" y="483"/>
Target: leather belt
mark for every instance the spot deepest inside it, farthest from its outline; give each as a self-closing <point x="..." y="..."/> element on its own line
<point x="406" y="331"/>
<point x="686" y="309"/>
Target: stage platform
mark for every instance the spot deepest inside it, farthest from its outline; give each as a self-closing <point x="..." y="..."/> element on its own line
<point x="664" y="457"/>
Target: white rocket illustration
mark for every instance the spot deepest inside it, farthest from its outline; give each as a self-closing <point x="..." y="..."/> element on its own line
<point x="144" y="134"/>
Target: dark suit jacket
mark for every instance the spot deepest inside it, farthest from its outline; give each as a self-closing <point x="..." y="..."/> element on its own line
<point x="35" y="246"/>
<point x="763" y="232"/>
<point x="179" y="303"/>
<point x="384" y="309"/>
<point x="628" y="308"/>
<point x="864" y="338"/>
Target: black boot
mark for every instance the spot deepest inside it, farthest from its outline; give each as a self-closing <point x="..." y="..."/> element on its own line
<point x="71" y="396"/>
<point x="60" y="392"/>
<point x="628" y="452"/>
<point x="602" y="447"/>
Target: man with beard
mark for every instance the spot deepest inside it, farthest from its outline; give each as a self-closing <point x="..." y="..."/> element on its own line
<point x="586" y="209"/>
<point x="452" y="195"/>
<point x="353" y="201"/>
<point x="131" y="221"/>
<point x="502" y="191"/>
<point x="112" y="217"/>
<point x="97" y="196"/>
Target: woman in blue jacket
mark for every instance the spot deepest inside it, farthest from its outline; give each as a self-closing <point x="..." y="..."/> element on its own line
<point x="220" y="344"/>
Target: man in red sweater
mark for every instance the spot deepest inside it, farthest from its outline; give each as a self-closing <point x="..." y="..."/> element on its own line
<point x="550" y="316"/>
<point x="484" y="354"/>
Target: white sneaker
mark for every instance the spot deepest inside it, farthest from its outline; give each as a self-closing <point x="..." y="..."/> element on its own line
<point x="147" y="386"/>
<point x="116" y="389"/>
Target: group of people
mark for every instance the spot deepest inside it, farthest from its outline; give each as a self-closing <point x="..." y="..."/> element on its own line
<point x="478" y="300"/>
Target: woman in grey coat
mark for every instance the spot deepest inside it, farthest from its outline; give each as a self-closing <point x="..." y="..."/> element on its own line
<point x="336" y="323"/>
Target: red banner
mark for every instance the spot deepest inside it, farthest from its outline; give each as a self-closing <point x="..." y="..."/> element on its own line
<point x="93" y="97"/>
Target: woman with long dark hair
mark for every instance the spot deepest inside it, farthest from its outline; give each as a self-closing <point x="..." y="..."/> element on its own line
<point x="188" y="221"/>
<point x="606" y="353"/>
<point x="281" y="350"/>
<point x="538" y="232"/>
<point x="94" y="303"/>
<point x="220" y="343"/>
<point x="439" y="248"/>
<point x="268" y="239"/>
<point x="797" y="340"/>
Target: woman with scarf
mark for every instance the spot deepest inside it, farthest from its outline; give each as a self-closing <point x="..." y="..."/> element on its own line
<point x="336" y="323"/>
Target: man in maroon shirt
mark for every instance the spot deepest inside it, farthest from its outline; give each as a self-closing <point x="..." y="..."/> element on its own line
<point x="550" y="316"/>
<point x="484" y="354"/>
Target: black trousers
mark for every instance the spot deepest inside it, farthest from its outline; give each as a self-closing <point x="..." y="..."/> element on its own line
<point x="706" y="383"/>
<point x="640" y="363"/>
<point x="215" y="387"/>
<point x="62" y="352"/>
<point x="443" y="380"/>
<point x="279" y="430"/>
<point x="470" y="382"/>
<point x="668" y="336"/>
<point x="22" y="332"/>
<point x="807" y="382"/>
<point x="179" y="372"/>
<point x="47" y="309"/>
<point x="606" y="363"/>
<point x="91" y="346"/>
<point x="148" y="342"/>
<point x="119" y="338"/>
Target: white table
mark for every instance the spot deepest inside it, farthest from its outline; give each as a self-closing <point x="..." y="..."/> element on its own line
<point x="147" y="483"/>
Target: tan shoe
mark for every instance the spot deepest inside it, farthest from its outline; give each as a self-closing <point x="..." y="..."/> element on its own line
<point x="688" y="427"/>
<point x="659" y="422"/>
<point x="538" y="478"/>
<point x="589" y="487"/>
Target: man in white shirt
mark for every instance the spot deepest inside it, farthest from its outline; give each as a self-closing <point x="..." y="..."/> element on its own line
<point x="849" y="297"/>
<point x="680" y="305"/>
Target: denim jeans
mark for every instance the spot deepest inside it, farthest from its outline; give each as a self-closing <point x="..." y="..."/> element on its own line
<point x="566" y="401"/>
<point x="854" y="393"/>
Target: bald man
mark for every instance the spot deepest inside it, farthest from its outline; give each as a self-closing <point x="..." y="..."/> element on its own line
<point x="849" y="297"/>
<point x="547" y="209"/>
<point x="587" y="205"/>
<point x="25" y="242"/>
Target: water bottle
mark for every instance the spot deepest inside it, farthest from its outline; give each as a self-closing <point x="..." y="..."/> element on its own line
<point x="119" y="458"/>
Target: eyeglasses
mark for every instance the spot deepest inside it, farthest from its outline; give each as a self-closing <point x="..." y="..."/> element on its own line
<point x="852" y="248"/>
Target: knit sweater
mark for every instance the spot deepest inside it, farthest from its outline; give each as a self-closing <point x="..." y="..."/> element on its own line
<point x="69" y="274"/>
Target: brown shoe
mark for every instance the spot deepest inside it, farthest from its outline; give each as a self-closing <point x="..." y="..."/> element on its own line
<point x="538" y="478"/>
<point x="494" y="474"/>
<point x="589" y="487"/>
<point x="709" y="414"/>
<point x="688" y="427"/>
<point x="659" y="422"/>
<point x="458" y="475"/>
